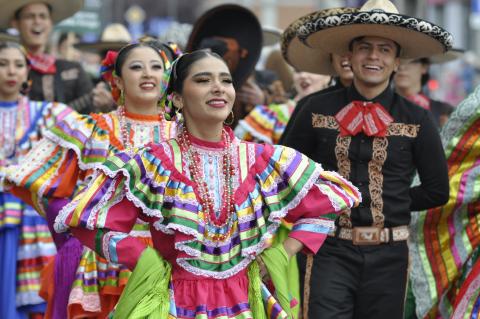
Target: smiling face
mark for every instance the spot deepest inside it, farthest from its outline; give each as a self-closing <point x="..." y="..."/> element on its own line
<point x="34" y="24"/>
<point x="207" y="96"/>
<point x="341" y="65"/>
<point x="373" y="61"/>
<point x="13" y="73"/>
<point x="141" y="76"/>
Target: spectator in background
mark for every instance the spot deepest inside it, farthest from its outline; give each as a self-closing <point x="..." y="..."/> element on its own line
<point x="114" y="36"/>
<point x="266" y="122"/>
<point x="234" y="33"/>
<point x="51" y="79"/>
<point x="304" y="58"/>
<point x="66" y="47"/>
<point x="413" y="75"/>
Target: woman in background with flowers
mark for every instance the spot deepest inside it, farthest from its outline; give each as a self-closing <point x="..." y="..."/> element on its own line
<point x="63" y="161"/>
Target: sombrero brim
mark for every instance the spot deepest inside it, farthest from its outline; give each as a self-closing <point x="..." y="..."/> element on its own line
<point x="61" y="9"/>
<point x="236" y="22"/>
<point x="303" y="57"/>
<point x="5" y="37"/>
<point x="417" y="38"/>
<point x="101" y="46"/>
<point x="306" y="59"/>
<point x="450" y="55"/>
<point x="271" y="36"/>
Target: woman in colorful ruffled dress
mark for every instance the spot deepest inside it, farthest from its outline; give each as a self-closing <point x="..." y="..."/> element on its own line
<point x="25" y="243"/>
<point x="63" y="161"/>
<point x="444" y="247"/>
<point x="213" y="202"/>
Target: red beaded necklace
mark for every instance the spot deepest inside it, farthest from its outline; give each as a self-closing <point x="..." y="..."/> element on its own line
<point x="193" y="159"/>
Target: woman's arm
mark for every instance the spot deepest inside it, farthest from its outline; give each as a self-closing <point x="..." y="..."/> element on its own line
<point x="113" y="242"/>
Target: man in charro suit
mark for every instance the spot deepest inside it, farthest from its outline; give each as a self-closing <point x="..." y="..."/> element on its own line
<point x="378" y="140"/>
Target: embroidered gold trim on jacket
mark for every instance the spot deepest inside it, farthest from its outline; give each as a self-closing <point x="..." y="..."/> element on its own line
<point x="344" y="168"/>
<point x="375" y="176"/>
<point x="394" y="129"/>
<point x="322" y="121"/>
<point x="379" y="156"/>
<point x="401" y="129"/>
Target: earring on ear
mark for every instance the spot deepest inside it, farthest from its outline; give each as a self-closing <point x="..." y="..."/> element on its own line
<point x="179" y="119"/>
<point x="232" y="119"/>
<point x="25" y="88"/>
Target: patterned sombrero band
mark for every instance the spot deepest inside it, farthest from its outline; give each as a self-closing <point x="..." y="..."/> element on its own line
<point x="306" y="58"/>
<point x="416" y="37"/>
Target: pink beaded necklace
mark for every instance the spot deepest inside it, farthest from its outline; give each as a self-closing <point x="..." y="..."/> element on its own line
<point x="206" y="200"/>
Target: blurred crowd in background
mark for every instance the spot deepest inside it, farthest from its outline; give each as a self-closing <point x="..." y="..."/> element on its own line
<point x="172" y="21"/>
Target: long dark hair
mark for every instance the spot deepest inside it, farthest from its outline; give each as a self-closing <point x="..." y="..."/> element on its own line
<point x="124" y="52"/>
<point x="181" y="67"/>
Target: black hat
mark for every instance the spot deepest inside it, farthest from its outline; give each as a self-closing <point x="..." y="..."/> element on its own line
<point x="234" y="33"/>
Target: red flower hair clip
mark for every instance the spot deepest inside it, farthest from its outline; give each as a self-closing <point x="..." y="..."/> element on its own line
<point x="107" y="70"/>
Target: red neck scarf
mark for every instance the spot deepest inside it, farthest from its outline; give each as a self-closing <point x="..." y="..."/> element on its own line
<point x="420" y="99"/>
<point x="359" y="116"/>
<point x="42" y="63"/>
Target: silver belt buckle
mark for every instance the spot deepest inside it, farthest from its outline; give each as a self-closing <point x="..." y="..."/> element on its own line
<point x="363" y="236"/>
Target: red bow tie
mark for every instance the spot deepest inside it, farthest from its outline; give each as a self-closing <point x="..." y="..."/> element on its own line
<point x="43" y="63"/>
<point x="367" y="117"/>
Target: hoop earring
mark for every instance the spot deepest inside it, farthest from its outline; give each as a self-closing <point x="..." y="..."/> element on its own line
<point x="25" y="88"/>
<point x="232" y="119"/>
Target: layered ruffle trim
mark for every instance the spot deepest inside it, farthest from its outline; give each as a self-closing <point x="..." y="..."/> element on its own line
<point x="149" y="176"/>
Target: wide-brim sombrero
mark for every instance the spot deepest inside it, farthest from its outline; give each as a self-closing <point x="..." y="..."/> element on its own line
<point x="7" y="37"/>
<point x="450" y="55"/>
<point x="305" y="58"/>
<point x="61" y="9"/>
<point x="271" y="35"/>
<point x="231" y="21"/>
<point x="376" y="18"/>
<point x="113" y="37"/>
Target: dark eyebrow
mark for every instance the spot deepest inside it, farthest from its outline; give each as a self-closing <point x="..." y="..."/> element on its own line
<point x="141" y="61"/>
<point x="202" y="74"/>
<point x="386" y="45"/>
<point x="364" y="42"/>
<point x="210" y="74"/>
<point x="14" y="60"/>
